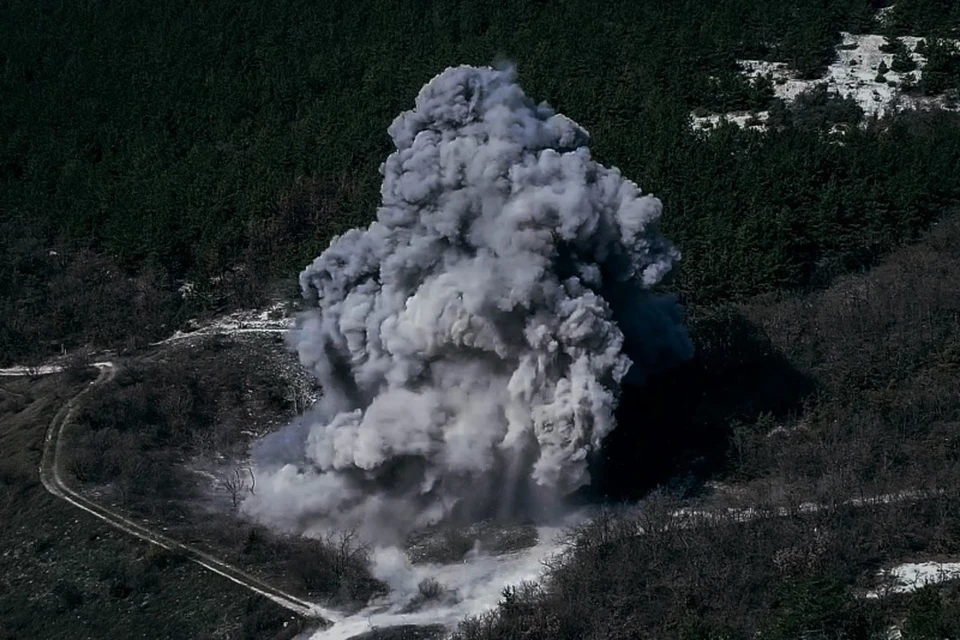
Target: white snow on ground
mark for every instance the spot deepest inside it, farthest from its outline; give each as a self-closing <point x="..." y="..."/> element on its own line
<point x="735" y="514"/>
<point x="31" y="371"/>
<point x="478" y="582"/>
<point x="742" y="119"/>
<point x="43" y="370"/>
<point x="911" y="576"/>
<point x="852" y="75"/>
<point x="273" y="319"/>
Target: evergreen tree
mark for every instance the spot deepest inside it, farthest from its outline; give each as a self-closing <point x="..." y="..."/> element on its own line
<point x="903" y="62"/>
<point x="882" y="72"/>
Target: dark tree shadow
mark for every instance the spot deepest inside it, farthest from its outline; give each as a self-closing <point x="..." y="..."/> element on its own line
<point x="675" y="430"/>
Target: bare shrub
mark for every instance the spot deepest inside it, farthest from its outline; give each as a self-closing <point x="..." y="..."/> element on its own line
<point x="882" y="347"/>
<point x="336" y="566"/>
<point x="429" y="591"/>
<point x="237" y="483"/>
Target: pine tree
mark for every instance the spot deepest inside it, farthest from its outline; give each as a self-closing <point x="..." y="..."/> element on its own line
<point x="881" y="72"/>
<point x="902" y="62"/>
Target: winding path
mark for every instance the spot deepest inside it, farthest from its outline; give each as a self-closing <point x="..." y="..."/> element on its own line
<point x="53" y="482"/>
<point x="347" y="626"/>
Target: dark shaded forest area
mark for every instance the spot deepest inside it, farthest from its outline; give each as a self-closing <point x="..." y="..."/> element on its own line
<point x="225" y="143"/>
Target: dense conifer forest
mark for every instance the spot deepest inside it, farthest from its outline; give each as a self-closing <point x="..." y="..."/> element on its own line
<point x="225" y="143"/>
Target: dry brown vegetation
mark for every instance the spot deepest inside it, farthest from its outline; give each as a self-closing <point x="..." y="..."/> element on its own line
<point x="132" y="436"/>
<point x="785" y="577"/>
<point x="884" y="350"/>
<point x="137" y="441"/>
<point x="876" y="357"/>
<point x="334" y="569"/>
<point x="65" y="574"/>
<point x="844" y="392"/>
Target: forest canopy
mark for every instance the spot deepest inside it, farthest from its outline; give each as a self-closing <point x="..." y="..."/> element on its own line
<point x="232" y="140"/>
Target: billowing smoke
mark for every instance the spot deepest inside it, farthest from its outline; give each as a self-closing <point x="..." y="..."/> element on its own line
<point x="471" y="342"/>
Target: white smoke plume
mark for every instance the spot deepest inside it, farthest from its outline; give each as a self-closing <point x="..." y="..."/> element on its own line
<point x="471" y="342"/>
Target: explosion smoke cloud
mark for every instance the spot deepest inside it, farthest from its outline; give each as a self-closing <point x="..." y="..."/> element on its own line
<point x="471" y="342"/>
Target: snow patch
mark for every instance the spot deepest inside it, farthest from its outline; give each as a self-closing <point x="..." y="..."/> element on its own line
<point x="852" y="75"/>
<point x="44" y="370"/>
<point x="883" y="15"/>
<point x="743" y="119"/>
<point x="912" y="576"/>
<point x="478" y="582"/>
<point x="272" y="319"/>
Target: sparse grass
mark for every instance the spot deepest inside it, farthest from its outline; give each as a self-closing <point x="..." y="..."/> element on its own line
<point x="196" y="399"/>
<point x="196" y="402"/>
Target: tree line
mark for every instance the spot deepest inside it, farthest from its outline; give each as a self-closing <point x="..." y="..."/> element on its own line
<point x="225" y="141"/>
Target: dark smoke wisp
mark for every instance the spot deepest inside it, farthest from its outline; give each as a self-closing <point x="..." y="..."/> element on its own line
<point x="471" y="341"/>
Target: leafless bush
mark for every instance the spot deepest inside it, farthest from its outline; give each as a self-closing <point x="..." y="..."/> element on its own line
<point x="298" y="398"/>
<point x="83" y="465"/>
<point x="337" y="567"/>
<point x="429" y="591"/>
<point x="804" y="557"/>
<point x="237" y="483"/>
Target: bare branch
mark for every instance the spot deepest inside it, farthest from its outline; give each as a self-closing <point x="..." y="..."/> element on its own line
<point x="234" y="483"/>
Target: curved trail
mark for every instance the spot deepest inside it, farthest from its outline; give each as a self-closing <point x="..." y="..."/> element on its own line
<point x="53" y="482"/>
<point x="335" y="625"/>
